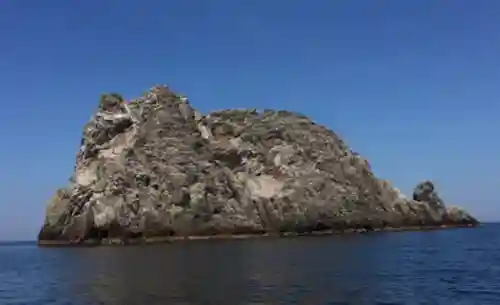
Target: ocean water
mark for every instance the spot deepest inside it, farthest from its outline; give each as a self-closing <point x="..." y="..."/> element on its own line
<point x="460" y="266"/>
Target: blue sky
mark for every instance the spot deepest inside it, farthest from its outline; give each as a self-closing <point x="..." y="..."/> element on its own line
<point x="411" y="85"/>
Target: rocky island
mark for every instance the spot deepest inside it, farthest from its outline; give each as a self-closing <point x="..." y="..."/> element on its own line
<point x="155" y="169"/>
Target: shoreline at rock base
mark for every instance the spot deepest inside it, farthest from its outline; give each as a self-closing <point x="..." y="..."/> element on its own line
<point x="172" y="239"/>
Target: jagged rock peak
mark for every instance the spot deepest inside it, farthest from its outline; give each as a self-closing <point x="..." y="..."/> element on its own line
<point x="154" y="167"/>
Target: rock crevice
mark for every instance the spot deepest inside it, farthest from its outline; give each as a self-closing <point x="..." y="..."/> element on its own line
<point x="155" y="167"/>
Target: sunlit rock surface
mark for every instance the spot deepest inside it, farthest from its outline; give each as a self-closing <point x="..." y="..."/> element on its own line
<point x="155" y="167"/>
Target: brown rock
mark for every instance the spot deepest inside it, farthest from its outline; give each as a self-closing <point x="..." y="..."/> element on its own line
<point x="155" y="168"/>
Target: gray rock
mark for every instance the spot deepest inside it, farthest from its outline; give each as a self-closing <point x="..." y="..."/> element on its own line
<point x="155" y="167"/>
<point x="425" y="192"/>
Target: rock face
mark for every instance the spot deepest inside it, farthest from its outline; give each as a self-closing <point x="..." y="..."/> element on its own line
<point x="155" y="167"/>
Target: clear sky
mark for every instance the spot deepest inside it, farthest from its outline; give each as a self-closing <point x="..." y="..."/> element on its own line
<point x="411" y="85"/>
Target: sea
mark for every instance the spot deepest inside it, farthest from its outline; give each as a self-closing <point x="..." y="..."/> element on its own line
<point x="449" y="267"/>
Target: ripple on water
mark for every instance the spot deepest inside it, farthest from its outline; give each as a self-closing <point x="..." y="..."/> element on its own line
<point x="437" y="267"/>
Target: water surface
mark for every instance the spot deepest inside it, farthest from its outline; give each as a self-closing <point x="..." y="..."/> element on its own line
<point x="460" y="266"/>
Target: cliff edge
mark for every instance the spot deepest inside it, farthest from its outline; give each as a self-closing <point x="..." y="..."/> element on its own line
<point x="155" y="168"/>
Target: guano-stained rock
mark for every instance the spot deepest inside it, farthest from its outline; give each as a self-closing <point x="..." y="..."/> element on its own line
<point x="156" y="168"/>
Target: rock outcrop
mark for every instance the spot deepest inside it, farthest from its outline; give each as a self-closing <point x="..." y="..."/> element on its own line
<point x="155" y="167"/>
